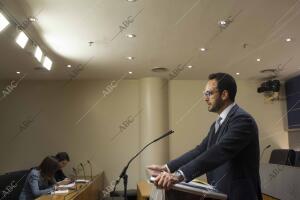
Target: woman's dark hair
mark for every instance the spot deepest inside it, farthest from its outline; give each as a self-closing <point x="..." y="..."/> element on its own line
<point x="225" y="82"/>
<point x="61" y="156"/>
<point x="48" y="167"/>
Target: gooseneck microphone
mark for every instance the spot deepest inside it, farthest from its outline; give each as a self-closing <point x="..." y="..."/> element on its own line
<point x="91" y="169"/>
<point x="83" y="171"/>
<point x="261" y="155"/>
<point x="123" y="174"/>
<point x="76" y="177"/>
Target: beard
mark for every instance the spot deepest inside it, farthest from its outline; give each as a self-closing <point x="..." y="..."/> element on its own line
<point x="216" y="106"/>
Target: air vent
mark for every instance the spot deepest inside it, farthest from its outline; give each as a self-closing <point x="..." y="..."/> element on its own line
<point x="160" y="69"/>
<point x="39" y="69"/>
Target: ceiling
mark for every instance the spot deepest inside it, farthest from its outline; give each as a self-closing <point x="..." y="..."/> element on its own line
<point x="168" y="33"/>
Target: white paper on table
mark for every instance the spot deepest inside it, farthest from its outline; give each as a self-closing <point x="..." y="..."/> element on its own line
<point x="60" y="192"/>
<point x="71" y="185"/>
<point x="82" y="181"/>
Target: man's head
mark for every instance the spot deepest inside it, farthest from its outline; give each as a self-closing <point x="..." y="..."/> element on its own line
<point x="219" y="92"/>
<point x="63" y="159"/>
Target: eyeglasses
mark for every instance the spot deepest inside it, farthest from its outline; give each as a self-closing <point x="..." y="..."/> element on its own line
<point x="208" y="93"/>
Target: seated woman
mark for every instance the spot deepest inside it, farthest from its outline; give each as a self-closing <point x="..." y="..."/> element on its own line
<point x="40" y="180"/>
<point x="63" y="159"/>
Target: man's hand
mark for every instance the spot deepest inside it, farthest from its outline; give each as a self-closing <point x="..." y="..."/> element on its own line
<point x="155" y="170"/>
<point x="166" y="180"/>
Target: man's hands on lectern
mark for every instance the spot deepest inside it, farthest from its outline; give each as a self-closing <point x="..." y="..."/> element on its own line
<point x="164" y="179"/>
<point x="155" y="170"/>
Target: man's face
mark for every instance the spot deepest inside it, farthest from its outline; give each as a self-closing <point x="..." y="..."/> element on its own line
<point x="212" y="96"/>
<point x="63" y="163"/>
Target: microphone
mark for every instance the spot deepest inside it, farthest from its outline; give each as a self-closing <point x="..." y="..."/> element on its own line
<point x="123" y="174"/>
<point x="261" y="155"/>
<point x="83" y="171"/>
<point x="91" y="170"/>
<point x="76" y="176"/>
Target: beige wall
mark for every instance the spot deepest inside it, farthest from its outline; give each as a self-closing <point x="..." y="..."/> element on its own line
<point x="55" y="129"/>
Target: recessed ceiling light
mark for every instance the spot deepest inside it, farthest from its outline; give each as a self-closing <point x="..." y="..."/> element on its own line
<point x="258" y="59"/>
<point x="38" y="54"/>
<point x="18" y="72"/>
<point x="32" y="19"/>
<point x="69" y="66"/>
<point x="47" y="63"/>
<point x="237" y="73"/>
<point x="222" y="22"/>
<point x="288" y="39"/>
<point x="190" y="66"/>
<point x="130" y="72"/>
<point x="130" y="58"/>
<point x="22" y="39"/>
<point x="203" y="49"/>
<point x="130" y="35"/>
<point x="3" y="22"/>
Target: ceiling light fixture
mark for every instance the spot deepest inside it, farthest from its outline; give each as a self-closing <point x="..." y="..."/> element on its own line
<point x="258" y="59"/>
<point x="130" y="72"/>
<point x="224" y="23"/>
<point x="22" y="39"/>
<point x="131" y="0"/>
<point x="131" y="35"/>
<point x="38" y="54"/>
<point x="203" y="49"/>
<point x="32" y="19"/>
<point x="18" y="72"/>
<point x="47" y="63"/>
<point x="190" y="66"/>
<point x="69" y="66"/>
<point x="237" y="73"/>
<point x="3" y="22"/>
<point x="288" y="39"/>
<point x="130" y="58"/>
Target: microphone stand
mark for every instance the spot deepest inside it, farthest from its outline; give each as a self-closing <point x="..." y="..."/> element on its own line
<point x="264" y="151"/>
<point x="76" y="176"/>
<point x="90" y="169"/>
<point x="124" y="175"/>
<point x="83" y="171"/>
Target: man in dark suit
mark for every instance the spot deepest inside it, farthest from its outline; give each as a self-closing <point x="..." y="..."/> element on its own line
<point x="229" y="154"/>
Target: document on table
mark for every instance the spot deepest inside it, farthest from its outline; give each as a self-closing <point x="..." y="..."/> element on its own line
<point x="60" y="192"/>
<point x="71" y="185"/>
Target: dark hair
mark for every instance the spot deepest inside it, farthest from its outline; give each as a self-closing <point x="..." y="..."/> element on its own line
<point x="61" y="156"/>
<point x="48" y="167"/>
<point x="225" y="82"/>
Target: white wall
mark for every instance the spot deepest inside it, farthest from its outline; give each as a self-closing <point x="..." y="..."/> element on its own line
<point x="55" y="129"/>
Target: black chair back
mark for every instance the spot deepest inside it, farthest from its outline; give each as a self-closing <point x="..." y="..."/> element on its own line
<point x="283" y="157"/>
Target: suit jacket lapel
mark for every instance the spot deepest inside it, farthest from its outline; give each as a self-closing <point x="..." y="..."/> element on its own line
<point x="220" y="132"/>
<point x="210" y="135"/>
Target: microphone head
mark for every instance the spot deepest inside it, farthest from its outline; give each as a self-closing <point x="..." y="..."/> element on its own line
<point x="74" y="170"/>
<point x="268" y="146"/>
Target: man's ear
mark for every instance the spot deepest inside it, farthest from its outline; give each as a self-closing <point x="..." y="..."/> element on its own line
<point x="225" y="95"/>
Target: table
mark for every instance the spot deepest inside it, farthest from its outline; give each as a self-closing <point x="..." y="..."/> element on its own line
<point x="85" y="191"/>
